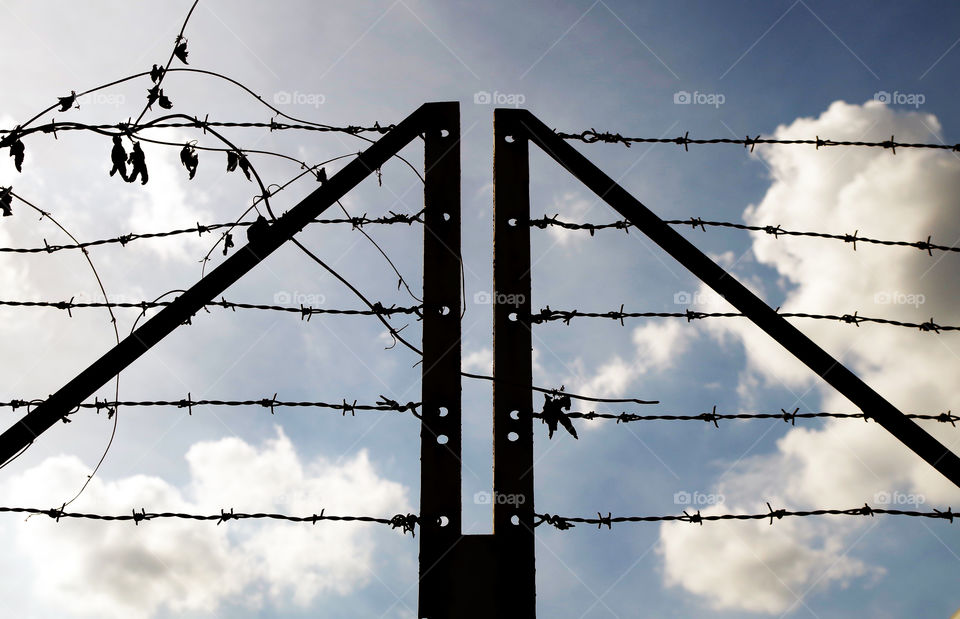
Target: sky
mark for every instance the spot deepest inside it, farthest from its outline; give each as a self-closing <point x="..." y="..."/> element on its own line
<point x="785" y="69"/>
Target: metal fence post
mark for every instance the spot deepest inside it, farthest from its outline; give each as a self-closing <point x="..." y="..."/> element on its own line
<point x="513" y="376"/>
<point x="440" y="430"/>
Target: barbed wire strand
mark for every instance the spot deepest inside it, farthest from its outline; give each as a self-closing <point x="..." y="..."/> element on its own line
<point x="591" y="136"/>
<point x="713" y="416"/>
<point x="405" y="522"/>
<point x="305" y="311"/>
<point x="200" y="229"/>
<point x="776" y="231"/>
<point x="550" y="315"/>
<point x="384" y="404"/>
<point x="564" y="523"/>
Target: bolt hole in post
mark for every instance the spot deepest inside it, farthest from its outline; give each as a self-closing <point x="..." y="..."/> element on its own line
<point x="444" y="310"/>
<point x="512" y="317"/>
<point x="446" y="216"/>
<point x="443" y="411"/>
<point x="514" y="520"/>
<point x="515" y="415"/>
<point x="512" y="223"/>
<point x="444" y="133"/>
<point x="509" y="139"/>
<point x="512" y="437"/>
<point x="444" y="521"/>
<point x="442" y="439"/>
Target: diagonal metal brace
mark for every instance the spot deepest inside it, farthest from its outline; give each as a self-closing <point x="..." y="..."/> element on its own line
<point x="216" y="282"/>
<point x="803" y="348"/>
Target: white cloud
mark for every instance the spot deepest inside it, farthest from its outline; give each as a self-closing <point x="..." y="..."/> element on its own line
<point x="122" y="570"/>
<point x="574" y="209"/>
<point x="169" y="201"/>
<point x="841" y="463"/>
<point x="656" y="347"/>
<point x="478" y="361"/>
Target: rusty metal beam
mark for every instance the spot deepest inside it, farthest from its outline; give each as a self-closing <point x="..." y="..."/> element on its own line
<point x="832" y="371"/>
<point x="67" y="398"/>
<point x="515" y="593"/>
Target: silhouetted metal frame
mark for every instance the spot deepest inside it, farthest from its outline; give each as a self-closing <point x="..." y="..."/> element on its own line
<point x="440" y="430"/>
<point x="513" y="505"/>
<point x="244" y="259"/>
<point x="832" y="371"/>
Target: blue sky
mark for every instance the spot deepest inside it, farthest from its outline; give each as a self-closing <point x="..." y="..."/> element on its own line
<point x="792" y="69"/>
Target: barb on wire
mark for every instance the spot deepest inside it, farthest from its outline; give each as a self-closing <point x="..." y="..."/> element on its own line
<point x="564" y="523"/>
<point x="713" y="416"/>
<point x="591" y="136"/>
<point x="776" y="231"/>
<point x="304" y="311"/>
<point x="551" y="315"/>
<point x="405" y="522"/>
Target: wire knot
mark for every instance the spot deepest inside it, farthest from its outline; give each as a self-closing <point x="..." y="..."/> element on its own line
<point x="604" y="520"/>
<point x="852" y="319"/>
<point x="775" y="513"/>
<point x="711" y="416"/>
<point x="558" y="522"/>
<point x="947" y="515"/>
<point x="406" y="522"/>
<point x="790" y="417"/>
<point x="947" y="418"/>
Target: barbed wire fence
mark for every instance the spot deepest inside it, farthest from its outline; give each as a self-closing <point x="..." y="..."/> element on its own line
<point x="557" y="400"/>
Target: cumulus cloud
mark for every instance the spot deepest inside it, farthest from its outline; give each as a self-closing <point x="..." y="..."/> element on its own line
<point x="169" y="202"/>
<point x="656" y="345"/>
<point x="571" y="206"/>
<point x="907" y="196"/>
<point x="119" y="570"/>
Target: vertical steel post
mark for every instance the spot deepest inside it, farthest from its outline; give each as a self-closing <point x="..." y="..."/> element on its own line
<point x="440" y="430"/>
<point x="512" y="371"/>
